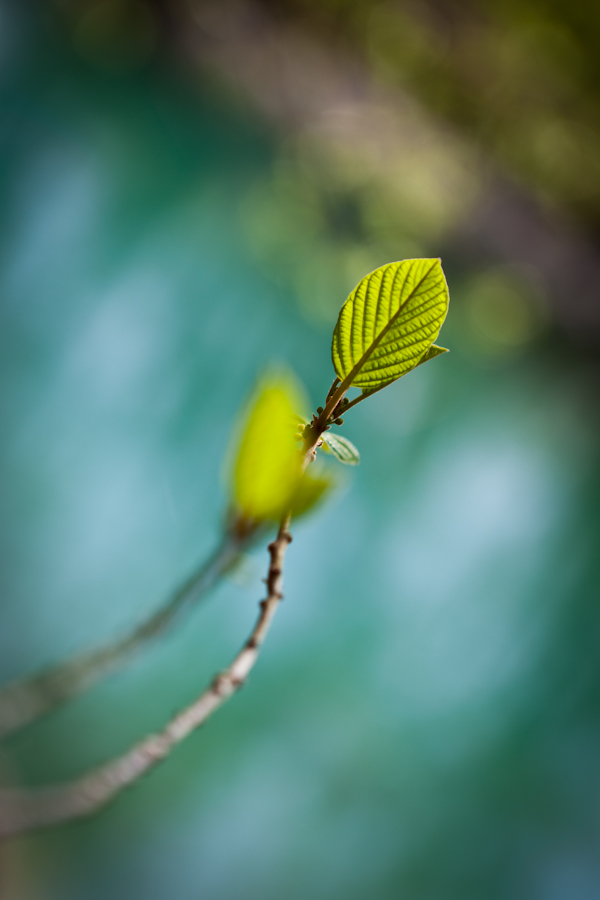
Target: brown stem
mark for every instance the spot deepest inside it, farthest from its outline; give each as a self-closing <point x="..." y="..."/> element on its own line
<point x="25" y="810"/>
<point x="355" y="401"/>
<point x="331" y="404"/>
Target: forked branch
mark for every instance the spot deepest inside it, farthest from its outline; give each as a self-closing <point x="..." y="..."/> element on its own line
<point x="25" y="810"/>
<point x="385" y="329"/>
<point x="26" y="700"/>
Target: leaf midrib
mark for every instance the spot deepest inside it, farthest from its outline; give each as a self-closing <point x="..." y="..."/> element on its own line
<point x="406" y="346"/>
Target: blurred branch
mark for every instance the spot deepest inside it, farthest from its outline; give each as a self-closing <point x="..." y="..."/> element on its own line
<point x="23" y="810"/>
<point x="24" y="701"/>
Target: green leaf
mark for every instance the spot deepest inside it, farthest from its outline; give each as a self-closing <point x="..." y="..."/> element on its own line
<point x="389" y="322"/>
<point x="310" y="492"/>
<point x="341" y="448"/>
<point x="433" y="351"/>
<point x="267" y="467"/>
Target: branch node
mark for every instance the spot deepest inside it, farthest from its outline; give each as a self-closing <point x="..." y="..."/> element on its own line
<point x="219" y="685"/>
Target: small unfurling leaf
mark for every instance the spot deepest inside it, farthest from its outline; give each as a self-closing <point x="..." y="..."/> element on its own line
<point x="433" y="351"/>
<point x="341" y="448"/>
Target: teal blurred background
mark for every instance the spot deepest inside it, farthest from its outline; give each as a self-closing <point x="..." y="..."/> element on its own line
<point x="190" y="190"/>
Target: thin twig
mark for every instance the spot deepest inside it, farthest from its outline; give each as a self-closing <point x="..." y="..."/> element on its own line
<point x="354" y="402"/>
<point x="25" y="810"/>
<point x="28" y="699"/>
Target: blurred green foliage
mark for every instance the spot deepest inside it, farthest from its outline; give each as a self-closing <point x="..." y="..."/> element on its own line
<point x="522" y="79"/>
<point x="267" y="468"/>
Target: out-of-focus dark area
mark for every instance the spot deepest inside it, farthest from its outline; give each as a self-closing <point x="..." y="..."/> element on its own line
<point x="190" y="190"/>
